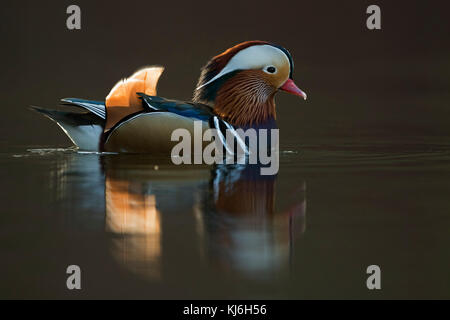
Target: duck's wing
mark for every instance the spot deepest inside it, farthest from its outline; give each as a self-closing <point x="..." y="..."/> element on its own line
<point x="151" y="129"/>
<point x="96" y="107"/>
<point x="151" y="132"/>
<point x="188" y="109"/>
<point x="193" y="110"/>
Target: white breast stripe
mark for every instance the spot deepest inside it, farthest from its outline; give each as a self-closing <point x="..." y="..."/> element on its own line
<point x="221" y="137"/>
<point x="238" y="138"/>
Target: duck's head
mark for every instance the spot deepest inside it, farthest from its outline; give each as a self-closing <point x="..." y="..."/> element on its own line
<point x="240" y="83"/>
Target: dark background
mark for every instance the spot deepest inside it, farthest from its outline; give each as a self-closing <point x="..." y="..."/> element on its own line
<point x="359" y="82"/>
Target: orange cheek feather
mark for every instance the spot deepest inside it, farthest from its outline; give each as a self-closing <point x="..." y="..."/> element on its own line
<point x="281" y="76"/>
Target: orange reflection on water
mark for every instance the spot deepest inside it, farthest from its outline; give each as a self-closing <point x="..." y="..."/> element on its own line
<point x="132" y="215"/>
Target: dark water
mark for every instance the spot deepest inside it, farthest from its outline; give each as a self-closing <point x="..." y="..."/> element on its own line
<point x="141" y="228"/>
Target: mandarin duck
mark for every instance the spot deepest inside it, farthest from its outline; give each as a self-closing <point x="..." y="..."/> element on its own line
<point x="236" y="89"/>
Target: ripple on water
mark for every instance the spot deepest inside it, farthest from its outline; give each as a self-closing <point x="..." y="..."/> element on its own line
<point x="332" y="155"/>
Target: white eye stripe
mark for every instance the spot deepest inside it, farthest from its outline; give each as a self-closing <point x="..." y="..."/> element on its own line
<point x="254" y="57"/>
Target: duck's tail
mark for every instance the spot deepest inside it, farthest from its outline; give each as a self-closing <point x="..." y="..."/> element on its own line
<point x="83" y="129"/>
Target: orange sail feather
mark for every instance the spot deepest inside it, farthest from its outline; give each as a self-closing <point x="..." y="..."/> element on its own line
<point x="123" y="100"/>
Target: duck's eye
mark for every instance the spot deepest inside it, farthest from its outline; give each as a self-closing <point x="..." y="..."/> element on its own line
<point x="271" y="69"/>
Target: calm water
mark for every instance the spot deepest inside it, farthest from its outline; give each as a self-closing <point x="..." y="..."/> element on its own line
<point x="141" y="228"/>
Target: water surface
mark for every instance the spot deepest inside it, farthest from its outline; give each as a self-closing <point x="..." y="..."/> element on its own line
<point x="140" y="227"/>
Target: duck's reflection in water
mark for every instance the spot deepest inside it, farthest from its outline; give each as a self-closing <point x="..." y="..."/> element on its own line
<point x="234" y="212"/>
<point x="138" y="195"/>
<point x="132" y="216"/>
<point x="246" y="232"/>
